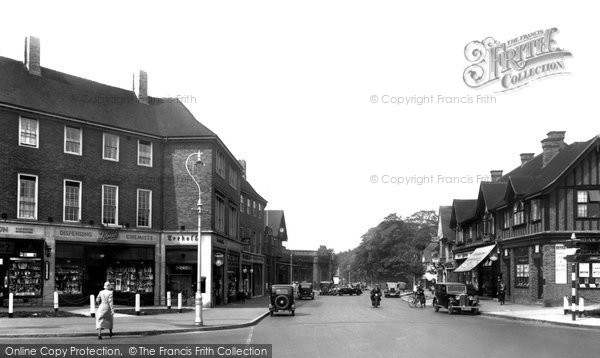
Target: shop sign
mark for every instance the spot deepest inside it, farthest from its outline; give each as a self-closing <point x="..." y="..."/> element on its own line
<point x="584" y="269"/>
<point x="187" y="238"/>
<point x="595" y="269"/>
<point x="183" y="268"/>
<point x="139" y="237"/>
<point x="23" y="230"/>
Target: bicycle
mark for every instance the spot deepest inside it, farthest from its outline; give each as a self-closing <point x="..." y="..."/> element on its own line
<point x="415" y="301"/>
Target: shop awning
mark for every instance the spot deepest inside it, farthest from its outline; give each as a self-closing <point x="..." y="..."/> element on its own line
<point x="475" y="258"/>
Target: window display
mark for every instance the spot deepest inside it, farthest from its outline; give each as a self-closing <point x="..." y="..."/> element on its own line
<point x="25" y="277"/>
<point x="131" y="278"/>
<point x="69" y="279"/>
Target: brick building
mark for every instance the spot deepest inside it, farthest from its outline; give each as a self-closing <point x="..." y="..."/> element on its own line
<point x="94" y="186"/>
<point x="518" y="227"/>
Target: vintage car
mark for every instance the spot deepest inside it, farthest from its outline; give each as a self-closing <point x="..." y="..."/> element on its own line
<point x="306" y="291"/>
<point x="394" y="289"/>
<point x="282" y="299"/>
<point x="349" y="290"/>
<point x="325" y="288"/>
<point x="454" y="297"/>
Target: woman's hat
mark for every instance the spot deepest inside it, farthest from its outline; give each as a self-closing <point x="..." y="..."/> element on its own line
<point x="107" y="284"/>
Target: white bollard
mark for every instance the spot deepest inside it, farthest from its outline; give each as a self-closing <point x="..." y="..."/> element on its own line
<point x="179" y="303"/>
<point x="10" y="305"/>
<point x="137" y="304"/>
<point x="55" y="302"/>
<point x="168" y="300"/>
<point x="92" y="306"/>
<point x="581" y="306"/>
<point x="565" y="305"/>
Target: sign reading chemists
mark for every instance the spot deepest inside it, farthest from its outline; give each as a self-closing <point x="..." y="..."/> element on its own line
<point x="516" y="62"/>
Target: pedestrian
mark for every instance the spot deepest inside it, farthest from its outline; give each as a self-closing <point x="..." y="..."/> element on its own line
<point x="501" y="292"/>
<point x="106" y="310"/>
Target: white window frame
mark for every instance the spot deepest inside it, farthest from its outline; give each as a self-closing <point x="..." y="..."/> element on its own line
<point x="65" y="199"/>
<point x="242" y="203"/>
<point x="80" y="141"/>
<point x="116" y="206"/>
<point x="137" y="210"/>
<point x="151" y="153"/>
<point x="104" y="146"/>
<point x="232" y="225"/>
<point x="220" y="214"/>
<point x="37" y="132"/>
<point x="35" y="214"/>
<point x="220" y="164"/>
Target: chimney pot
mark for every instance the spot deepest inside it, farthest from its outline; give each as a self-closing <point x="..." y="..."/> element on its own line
<point x="525" y="157"/>
<point x="552" y="145"/>
<point x="243" y="164"/>
<point x="496" y="175"/>
<point x="141" y="87"/>
<point x="32" y="55"/>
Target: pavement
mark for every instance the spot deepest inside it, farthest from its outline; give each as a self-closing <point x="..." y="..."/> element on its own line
<point x="231" y="316"/>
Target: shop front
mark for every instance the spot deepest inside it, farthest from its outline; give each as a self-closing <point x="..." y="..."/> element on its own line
<point x="23" y="265"/>
<point x="86" y="258"/>
<point x="480" y="269"/>
<point x="252" y="274"/>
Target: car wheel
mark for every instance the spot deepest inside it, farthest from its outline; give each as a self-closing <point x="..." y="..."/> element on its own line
<point x="293" y="313"/>
<point x="271" y="313"/>
<point x="450" y="309"/>
<point x="436" y="308"/>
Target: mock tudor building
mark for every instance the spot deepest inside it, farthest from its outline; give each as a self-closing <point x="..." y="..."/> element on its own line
<point x="518" y="227"/>
<point x="94" y="187"/>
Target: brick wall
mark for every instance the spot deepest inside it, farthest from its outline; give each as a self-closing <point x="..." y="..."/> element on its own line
<point x="52" y="166"/>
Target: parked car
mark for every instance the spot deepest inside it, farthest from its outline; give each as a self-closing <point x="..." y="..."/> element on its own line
<point x="282" y="299"/>
<point x="306" y="291"/>
<point x="394" y="289"/>
<point x="349" y="290"/>
<point x="454" y="297"/>
<point x="325" y="288"/>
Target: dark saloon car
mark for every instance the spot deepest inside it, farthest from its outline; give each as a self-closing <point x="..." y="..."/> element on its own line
<point x="306" y="291"/>
<point x="349" y="290"/>
<point x="282" y="299"/>
<point x="325" y="288"/>
<point x="454" y="297"/>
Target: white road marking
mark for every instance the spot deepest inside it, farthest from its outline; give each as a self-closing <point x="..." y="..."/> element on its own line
<point x="249" y="339"/>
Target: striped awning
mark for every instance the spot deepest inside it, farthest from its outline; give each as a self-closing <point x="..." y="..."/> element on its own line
<point x="475" y="258"/>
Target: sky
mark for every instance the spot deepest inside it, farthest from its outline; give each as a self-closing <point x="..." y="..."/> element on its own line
<point x="316" y="95"/>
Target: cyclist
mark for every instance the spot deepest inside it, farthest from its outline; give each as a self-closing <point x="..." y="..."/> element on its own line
<point x="420" y="295"/>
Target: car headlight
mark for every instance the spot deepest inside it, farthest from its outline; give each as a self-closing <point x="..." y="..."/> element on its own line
<point x="457" y="297"/>
<point x="471" y="298"/>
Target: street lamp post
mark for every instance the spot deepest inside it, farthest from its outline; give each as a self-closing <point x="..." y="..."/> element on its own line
<point x="251" y="281"/>
<point x="198" y="301"/>
<point x="291" y="269"/>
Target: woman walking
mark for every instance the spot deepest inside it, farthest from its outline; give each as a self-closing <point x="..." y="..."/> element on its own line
<point x="106" y="310"/>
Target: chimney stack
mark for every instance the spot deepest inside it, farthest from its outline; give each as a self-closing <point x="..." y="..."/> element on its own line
<point x="525" y="157"/>
<point x="32" y="55"/>
<point x="140" y="87"/>
<point x="243" y="164"/>
<point x="552" y="145"/>
<point x="496" y="175"/>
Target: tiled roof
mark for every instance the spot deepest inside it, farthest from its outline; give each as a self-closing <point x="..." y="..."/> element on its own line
<point x="248" y="189"/>
<point x="463" y="210"/>
<point x="446" y="217"/>
<point x="428" y="251"/>
<point x="533" y="177"/>
<point x="69" y="96"/>
<point x="491" y="195"/>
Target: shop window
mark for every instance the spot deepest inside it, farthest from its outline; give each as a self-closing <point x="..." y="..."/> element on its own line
<point x="28" y="189"/>
<point x="25" y="277"/>
<point x="110" y="144"/>
<point x="588" y="203"/>
<point x="72" y="140"/>
<point x="144" y="208"/>
<point x="72" y="200"/>
<point x="589" y="274"/>
<point x="220" y="214"/>
<point x="28" y="132"/>
<point x="131" y="277"/>
<point x="144" y="153"/>
<point x="110" y="204"/>
<point x="522" y="267"/>
<point x="518" y="213"/>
